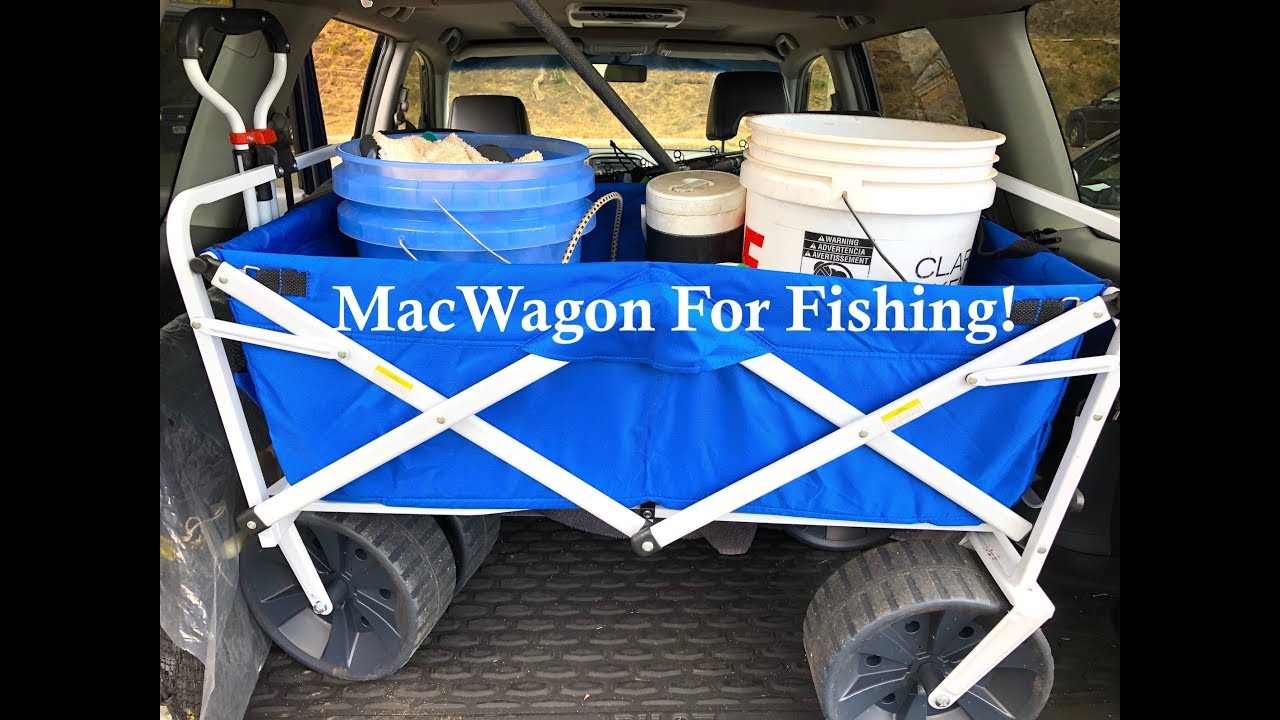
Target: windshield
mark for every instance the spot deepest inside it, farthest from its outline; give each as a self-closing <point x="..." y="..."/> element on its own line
<point x="672" y="102"/>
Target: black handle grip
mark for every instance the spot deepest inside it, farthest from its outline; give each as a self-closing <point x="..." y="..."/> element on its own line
<point x="228" y="21"/>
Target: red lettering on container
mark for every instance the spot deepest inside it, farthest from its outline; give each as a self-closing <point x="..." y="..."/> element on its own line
<point x="751" y="238"/>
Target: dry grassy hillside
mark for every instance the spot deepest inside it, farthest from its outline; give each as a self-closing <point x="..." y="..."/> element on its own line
<point x="672" y="103"/>
<point x="1077" y="70"/>
<point x="341" y="54"/>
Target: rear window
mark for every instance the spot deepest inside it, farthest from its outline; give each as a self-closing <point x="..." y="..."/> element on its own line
<point x="915" y="80"/>
<point x="672" y="102"/>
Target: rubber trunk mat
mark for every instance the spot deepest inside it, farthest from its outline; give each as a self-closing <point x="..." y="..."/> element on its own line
<point x="560" y="623"/>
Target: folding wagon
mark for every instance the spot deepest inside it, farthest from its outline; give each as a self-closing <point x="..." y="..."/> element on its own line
<point x="385" y="426"/>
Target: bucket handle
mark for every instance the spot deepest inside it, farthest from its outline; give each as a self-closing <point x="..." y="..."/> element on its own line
<point x="828" y="190"/>
<point x="465" y="230"/>
<point x="844" y="196"/>
<point x="406" y="250"/>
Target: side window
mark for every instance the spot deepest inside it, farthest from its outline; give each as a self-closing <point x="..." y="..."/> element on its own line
<point x="915" y="79"/>
<point x="1100" y="176"/>
<point x="415" y="83"/>
<point x="818" y="86"/>
<point x="1077" y="45"/>
<point x="341" y="52"/>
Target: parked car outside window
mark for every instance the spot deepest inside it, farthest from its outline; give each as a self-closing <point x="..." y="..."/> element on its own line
<point x="1095" y="120"/>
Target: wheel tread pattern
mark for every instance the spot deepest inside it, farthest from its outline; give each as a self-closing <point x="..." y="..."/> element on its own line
<point x="417" y="551"/>
<point x="472" y="538"/>
<point x="877" y="583"/>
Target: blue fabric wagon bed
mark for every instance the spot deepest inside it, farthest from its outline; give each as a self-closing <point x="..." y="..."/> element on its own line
<point x="663" y="415"/>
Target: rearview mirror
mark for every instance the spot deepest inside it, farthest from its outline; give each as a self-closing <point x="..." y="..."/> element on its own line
<point x="619" y="72"/>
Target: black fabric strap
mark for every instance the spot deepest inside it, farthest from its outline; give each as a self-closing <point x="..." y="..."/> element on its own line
<point x="234" y="348"/>
<point x="1025" y="312"/>
<point x="1017" y="249"/>
<point x="1036" y="312"/>
<point x="284" y="282"/>
<point x="270" y="278"/>
<point x="293" y="282"/>
<point x="1050" y="309"/>
<point x="1031" y="243"/>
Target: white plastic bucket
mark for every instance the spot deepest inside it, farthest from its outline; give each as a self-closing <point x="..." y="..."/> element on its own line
<point x="918" y="188"/>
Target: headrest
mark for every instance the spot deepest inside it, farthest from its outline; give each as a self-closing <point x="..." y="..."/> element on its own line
<point x="489" y="114"/>
<point x="738" y="94"/>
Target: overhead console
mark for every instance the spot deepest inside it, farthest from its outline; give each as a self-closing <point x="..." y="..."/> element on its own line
<point x="586" y="15"/>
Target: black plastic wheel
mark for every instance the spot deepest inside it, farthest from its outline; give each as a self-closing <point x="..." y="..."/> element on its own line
<point x="390" y="579"/>
<point x="884" y="630"/>
<point x="839" y="538"/>
<point x="471" y="537"/>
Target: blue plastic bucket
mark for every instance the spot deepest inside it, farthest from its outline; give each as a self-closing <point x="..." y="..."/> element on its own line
<point x="525" y="212"/>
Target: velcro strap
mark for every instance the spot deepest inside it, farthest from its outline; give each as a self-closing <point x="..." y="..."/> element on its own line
<point x="284" y="282"/>
<point x="1036" y="312"/>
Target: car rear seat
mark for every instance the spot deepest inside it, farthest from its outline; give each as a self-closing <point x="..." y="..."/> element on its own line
<point x="489" y="114"/>
<point x="735" y="95"/>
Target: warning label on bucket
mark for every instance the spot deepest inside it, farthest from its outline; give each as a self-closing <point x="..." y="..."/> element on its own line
<point x="836" y="255"/>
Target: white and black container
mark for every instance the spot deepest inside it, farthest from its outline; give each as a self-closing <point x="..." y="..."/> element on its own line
<point x="694" y="216"/>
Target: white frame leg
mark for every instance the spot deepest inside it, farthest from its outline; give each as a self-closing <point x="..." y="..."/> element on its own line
<point x="213" y="355"/>
<point x="1097" y="219"/>
<point x="303" y="567"/>
<point x="1084" y="435"/>
<point x="1017" y="575"/>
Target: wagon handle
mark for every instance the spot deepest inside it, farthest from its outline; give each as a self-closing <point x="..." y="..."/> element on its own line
<point x="260" y="203"/>
<point x="228" y="21"/>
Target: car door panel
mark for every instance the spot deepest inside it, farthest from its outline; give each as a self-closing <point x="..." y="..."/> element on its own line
<point x="1098" y="254"/>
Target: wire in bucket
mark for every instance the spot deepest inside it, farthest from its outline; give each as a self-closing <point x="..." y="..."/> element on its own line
<point x="406" y="250"/>
<point x="468" y="232"/>
<point x="573" y="241"/>
<point x="845" y="197"/>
